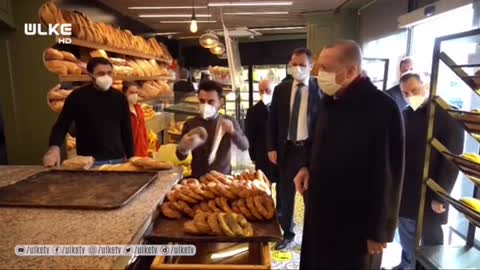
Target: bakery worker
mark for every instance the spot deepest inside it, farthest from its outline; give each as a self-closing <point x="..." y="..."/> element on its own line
<point x="450" y="134"/>
<point x="139" y="128"/>
<point x="291" y="124"/>
<point x="210" y="151"/>
<point x="353" y="181"/>
<point x="102" y="119"/>
<point x="256" y="131"/>
<point x="183" y="87"/>
<point x="406" y="64"/>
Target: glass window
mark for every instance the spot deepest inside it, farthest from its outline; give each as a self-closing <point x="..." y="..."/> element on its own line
<point x="393" y="47"/>
<point x="423" y="37"/>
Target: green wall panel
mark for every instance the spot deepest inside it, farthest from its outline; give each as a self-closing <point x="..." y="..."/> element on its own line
<point x="324" y="28"/>
<point x="28" y="119"/>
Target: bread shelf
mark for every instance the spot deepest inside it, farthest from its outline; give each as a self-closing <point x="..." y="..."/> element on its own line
<point x="86" y="78"/>
<point x="467" y="167"/>
<point x="96" y="46"/>
<point x="469" y="213"/>
<point x="469" y="120"/>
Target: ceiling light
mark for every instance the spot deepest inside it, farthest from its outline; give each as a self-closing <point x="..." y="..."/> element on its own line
<point x="218" y="50"/>
<point x="251" y="3"/>
<point x="193" y="24"/>
<point x="258" y="13"/>
<point x="173" y="15"/>
<point x="187" y="21"/>
<point x="208" y="40"/>
<point x="278" y="28"/>
<point x="172" y="7"/>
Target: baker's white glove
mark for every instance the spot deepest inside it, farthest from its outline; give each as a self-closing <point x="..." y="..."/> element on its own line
<point x="52" y="157"/>
<point x="193" y="139"/>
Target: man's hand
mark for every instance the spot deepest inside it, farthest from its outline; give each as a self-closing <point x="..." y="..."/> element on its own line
<point x="301" y="180"/>
<point x="227" y="126"/>
<point x="438" y="207"/>
<point x="272" y="156"/>
<point x="375" y="247"/>
<point x="52" y="157"/>
<point x="193" y="139"/>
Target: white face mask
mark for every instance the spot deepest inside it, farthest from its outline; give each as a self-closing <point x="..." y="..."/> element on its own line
<point x="132" y="99"/>
<point x="104" y="82"/>
<point x="207" y="111"/>
<point x="266" y="99"/>
<point x="327" y="82"/>
<point x="415" y="101"/>
<point x="299" y="73"/>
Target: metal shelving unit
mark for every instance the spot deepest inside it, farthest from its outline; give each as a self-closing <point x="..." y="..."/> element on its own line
<point x="447" y="257"/>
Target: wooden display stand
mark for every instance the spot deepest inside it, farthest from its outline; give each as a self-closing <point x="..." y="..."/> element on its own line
<point x="247" y="256"/>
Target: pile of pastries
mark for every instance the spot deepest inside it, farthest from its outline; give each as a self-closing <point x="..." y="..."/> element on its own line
<point x="97" y="32"/>
<point x="221" y="201"/>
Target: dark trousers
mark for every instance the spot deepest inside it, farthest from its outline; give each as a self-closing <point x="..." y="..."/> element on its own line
<point x="295" y="158"/>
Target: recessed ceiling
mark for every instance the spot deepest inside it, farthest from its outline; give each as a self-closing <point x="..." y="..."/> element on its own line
<point x="268" y="16"/>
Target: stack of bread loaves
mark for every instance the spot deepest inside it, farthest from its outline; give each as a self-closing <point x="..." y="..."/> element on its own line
<point x="101" y="33"/>
<point x="61" y="62"/>
<point x="153" y="89"/>
<point x="56" y="97"/>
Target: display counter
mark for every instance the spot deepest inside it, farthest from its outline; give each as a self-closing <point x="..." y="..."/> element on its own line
<point x="36" y="226"/>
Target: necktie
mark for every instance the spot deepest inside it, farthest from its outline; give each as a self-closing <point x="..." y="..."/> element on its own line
<point x="295" y="113"/>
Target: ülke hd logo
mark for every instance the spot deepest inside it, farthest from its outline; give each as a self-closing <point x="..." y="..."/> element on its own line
<point x="64" y="30"/>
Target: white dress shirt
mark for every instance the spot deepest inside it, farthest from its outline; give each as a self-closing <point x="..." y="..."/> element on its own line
<point x="302" y="128"/>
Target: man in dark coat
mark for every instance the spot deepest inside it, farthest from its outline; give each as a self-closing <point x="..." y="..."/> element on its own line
<point x="292" y="117"/>
<point x="256" y="131"/>
<point x="353" y="181"/>
<point x="451" y="135"/>
<point x="406" y="64"/>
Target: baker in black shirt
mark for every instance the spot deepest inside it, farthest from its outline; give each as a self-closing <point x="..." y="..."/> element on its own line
<point x="101" y="117"/>
<point x="183" y="88"/>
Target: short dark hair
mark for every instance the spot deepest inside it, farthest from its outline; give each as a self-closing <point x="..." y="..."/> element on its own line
<point x="410" y="75"/>
<point x="307" y="52"/>
<point x="184" y="73"/>
<point x="406" y="60"/>
<point x="127" y="85"/>
<point x="209" y="85"/>
<point x="95" y="61"/>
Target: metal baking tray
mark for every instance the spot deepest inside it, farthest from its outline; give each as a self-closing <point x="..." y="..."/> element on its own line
<point x="76" y="189"/>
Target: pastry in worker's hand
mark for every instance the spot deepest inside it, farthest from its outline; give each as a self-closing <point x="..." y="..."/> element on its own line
<point x="193" y="139"/>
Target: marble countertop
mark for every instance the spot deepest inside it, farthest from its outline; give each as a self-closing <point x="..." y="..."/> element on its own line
<point x="37" y="226"/>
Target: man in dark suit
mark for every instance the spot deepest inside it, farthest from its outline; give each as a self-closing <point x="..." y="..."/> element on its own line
<point x="406" y="65"/>
<point x="291" y="123"/>
<point x="256" y="131"/>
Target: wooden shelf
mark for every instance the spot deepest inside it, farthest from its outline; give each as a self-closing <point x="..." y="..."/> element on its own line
<point x="107" y="48"/>
<point x="86" y="78"/>
<point x="469" y="213"/>
<point x="469" y="120"/>
<point x="467" y="167"/>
